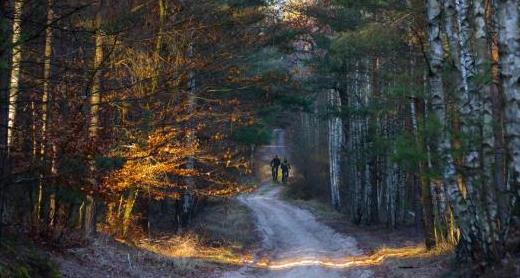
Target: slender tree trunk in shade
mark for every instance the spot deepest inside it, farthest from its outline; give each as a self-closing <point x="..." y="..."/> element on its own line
<point x="158" y="45"/>
<point x="503" y="195"/>
<point x="508" y="24"/>
<point x="374" y="130"/>
<point x="488" y="202"/>
<point x="47" y="53"/>
<point x="187" y="198"/>
<point x="127" y="215"/>
<point x="335" y="127"/>
<point x="95" y="100"/>
<point x="81" y="216"/>
<point x="366" y="144"/>
<point x="16" y="58"/>
<point x="4" y="103"/>
<point x="4" y="80"/>
<point x="425" y="185"/>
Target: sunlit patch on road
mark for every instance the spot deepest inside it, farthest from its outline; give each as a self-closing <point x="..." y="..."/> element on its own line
<point x="343" y="263"/>
<point x="189" y="249"/>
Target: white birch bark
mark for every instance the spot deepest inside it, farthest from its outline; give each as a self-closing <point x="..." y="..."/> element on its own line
<point x="436" y="55"/>
<point x="335" y="126"/>
<point x="47" y="53"/>
<point x="450" y="14"/>
<point x="469" y="107"/>
<point x="476" y="122"/>
<point x="469" y="101"/>
<point x="509" y="40"/>
<point x="15" y="71"/>
<point x="367" y="185"/>
<point x="358" y="148"/>
<point x="95" y="101"/>
<point x="508" y="21"/>
<point x="489" y="201"/>
<point x="350" y="182"/>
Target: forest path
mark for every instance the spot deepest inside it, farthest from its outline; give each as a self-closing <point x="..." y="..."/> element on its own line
<point x="294" y="243"/>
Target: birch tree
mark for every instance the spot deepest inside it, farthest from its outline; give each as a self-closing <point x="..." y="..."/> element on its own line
<point x="485" y="95"/>
<point x="15" y="70"/>
<point x="45" y="103"/>
<point x="94" y="101"/>
<point x="4" y="85"/>
<point x="508" y="21"/>
<point x="436" y="53"/>
<point x="335" y="145"/>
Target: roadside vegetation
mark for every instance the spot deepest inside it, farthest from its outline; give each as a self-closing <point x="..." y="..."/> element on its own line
<point x="20" y="258"/>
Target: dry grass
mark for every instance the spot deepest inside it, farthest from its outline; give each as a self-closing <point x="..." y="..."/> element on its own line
<point x="321" y="210"/>
<point x="221" y="237"/>
<point x="106" y="257"/>
<point x="227" y="223"/>
<point x="432" y="263"/>
<point x="188" y="251"/>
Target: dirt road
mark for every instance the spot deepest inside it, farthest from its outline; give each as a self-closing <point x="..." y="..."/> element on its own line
<point x="294" y="243"/>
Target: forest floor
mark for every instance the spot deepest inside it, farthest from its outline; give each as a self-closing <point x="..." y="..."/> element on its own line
<point x="218" y="240"/>
<point x="20" y="257"/>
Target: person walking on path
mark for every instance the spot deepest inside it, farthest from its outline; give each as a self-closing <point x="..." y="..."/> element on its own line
<point x="275" y="163"/>
<point x="285" y="170"/>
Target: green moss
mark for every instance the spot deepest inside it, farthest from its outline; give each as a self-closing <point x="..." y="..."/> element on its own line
<point x="21" y="272"/>
<point x="20" y="258"/>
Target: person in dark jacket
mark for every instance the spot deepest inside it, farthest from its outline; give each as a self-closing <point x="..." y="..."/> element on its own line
<point x="285" y="170"/>
<point x="275" y="163"/>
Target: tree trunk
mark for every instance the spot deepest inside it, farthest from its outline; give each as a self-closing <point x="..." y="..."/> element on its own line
<point x="15" y="70"/>
<point x="47" y="56"/>
<point x="508" y="21"/>
<point x="436" y="55"/>
<point x="187" y="197"/>
<point x="129" y="206"/>
<point x="425" y="186"/>
<point x="504" y="198"/>
<point x="450" y="14"/>
<point x="469" y="106"/>
<point x="158" y="45"/>
<point x="335" y="145"/>
<point x="5" y="52"/>
<point x="95" y="100"/>
<point x="489" y="201"/>
<point x="374" y="133"/>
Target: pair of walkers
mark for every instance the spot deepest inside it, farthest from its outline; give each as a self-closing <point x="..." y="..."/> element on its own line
<point x="285" y="166"/>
